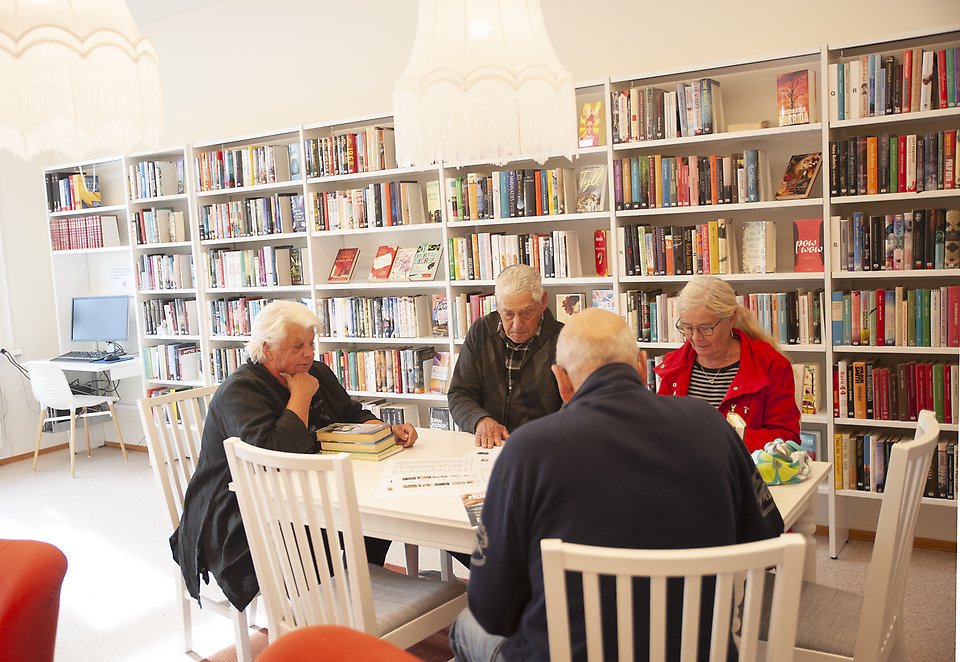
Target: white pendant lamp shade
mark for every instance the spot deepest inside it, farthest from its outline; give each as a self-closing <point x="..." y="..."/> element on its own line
<point x="483" y="84"/>
<point x="76" y="78"/>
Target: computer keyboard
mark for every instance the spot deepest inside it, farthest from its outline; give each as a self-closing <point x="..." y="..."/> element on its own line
<point x="81" y="356"/>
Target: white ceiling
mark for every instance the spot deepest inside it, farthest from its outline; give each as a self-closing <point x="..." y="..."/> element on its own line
<point x="145" y="11"/>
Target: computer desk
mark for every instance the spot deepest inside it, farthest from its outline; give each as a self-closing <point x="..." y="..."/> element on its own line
<point x="116" y="370"/>
<point x="441" y="521"/>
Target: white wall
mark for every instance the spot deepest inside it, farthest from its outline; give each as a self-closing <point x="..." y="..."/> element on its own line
<point x="246" y="66"/>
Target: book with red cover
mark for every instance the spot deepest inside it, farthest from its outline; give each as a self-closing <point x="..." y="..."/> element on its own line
<point x="343" y="265"/>
<point x="382" y="262"/>
<point x="600" y="252"/>
<point x="808" y="245"/>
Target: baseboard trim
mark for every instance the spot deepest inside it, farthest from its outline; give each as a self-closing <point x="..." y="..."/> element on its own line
<point x="138" y="448"/>
<point x="918" y="543"/>
<point x="29" y="456"/>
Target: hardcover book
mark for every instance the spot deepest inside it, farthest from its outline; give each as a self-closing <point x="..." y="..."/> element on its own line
<point x="439" y="315"/>
<point x="591" y="188"/>
<point x="392" y="449"/>
<point x="796" y="92"/>
<point x="808" y="245"/>
<point x="799" y="177"/>
<point x="343" y="265"/>
<point x="359" y="432"/>
<point x="433" y="202"/>
<point x="603" y="299"/>
<point x="359" y="446"/>
<point x="383" y="262"/>
<point x="402" y="263"/>
<point x="591" y="124"/>
<point x="440" y="372"/>
<point x="600" y="253"/>
<point x="440" y="418"/>
<point x="425" y="262"/>
<point x="568" y="305"/>
<point x="759" y="247"/>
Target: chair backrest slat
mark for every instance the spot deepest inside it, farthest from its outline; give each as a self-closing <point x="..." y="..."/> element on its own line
<point x="724" y="567"/>
<point x="287" y="501"/>
<point x="173" y="426"/>
<point x="903" y="490"/>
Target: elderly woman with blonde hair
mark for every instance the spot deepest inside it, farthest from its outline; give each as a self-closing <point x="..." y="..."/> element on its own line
<point x="727" y="360"/>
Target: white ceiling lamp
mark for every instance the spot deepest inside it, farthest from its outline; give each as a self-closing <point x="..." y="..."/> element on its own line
<point x="77" y="78"/>
<point x="483" y="84"/>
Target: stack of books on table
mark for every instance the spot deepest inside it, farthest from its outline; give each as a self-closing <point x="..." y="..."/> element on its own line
<point x="371" y="442"/>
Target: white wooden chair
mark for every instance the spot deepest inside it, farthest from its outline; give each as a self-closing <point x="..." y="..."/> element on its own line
<point x="173" y="425"/>
<point x="839" y="625"/>
<point x="51" y="389"/>
<point x="286" y="500"/>
<point x="726" y="565"/>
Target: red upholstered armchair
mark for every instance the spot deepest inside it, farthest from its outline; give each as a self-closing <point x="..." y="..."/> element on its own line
<point x="30" y="579"/>
<point x="332" y="643"/>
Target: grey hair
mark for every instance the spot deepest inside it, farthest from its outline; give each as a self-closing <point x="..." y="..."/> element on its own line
<point x="519" y="278"/>
<point x="272" y="324"/>
<point x="594" y="338"/>
<point x="717" y="297"/>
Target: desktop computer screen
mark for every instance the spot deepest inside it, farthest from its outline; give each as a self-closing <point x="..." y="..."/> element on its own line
<point x="100" y="318"/>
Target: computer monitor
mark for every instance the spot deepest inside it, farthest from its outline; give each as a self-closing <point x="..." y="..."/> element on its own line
<point x="100" y="319"/>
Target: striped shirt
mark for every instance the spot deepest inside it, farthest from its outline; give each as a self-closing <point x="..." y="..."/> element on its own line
<point x="710" y="384"/>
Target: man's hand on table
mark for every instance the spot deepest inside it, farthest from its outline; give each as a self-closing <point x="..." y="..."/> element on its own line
<point x="405" y="433"/>
<point x="489" y="433"/>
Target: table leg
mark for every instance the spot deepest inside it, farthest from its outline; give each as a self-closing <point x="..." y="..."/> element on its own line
<point x="412" y="553"/>
<point x="806" y="525"/>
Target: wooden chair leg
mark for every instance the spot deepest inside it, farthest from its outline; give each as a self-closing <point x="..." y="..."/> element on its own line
<point x="86" y="430"/>
<point x="116" y="425"/>
<point x="242" y="636"/>
<point x="185" y="617"/>
<point x="73" y="446"/>
<point x="36" y="452"/>
<point x="412" y="553"/>
<point x="446" y="567"/>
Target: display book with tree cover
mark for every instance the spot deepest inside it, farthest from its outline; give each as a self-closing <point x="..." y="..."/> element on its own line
<point x="364" y="441"/>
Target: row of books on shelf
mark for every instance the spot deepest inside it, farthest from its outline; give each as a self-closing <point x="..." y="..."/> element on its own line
<point x="366" y="150"/>
<point x="511" y="194"/>
<point x="170" y="317"/>
<point x="917" y="239"/>
<point x="657" y="181"/>
<point x="248" y="165"/>
<point x="391" y="263"/>
<point x="407" y="316"/>
<point x="155" y="178"/>
<point x="897" y="392"/>
<point x="172" y="362"/>
<point x="376" y="205"/>
<point x="897" y="317"/>
<point x="165" y="272"/>
<point x="861" y="460"/>
<point x="225" y="360"/>
<point x="890" y="163"/>
<point x="278" y="214"/>
<point x="262" y="267"/>
<point x="691" y="108"/>
<point x="791" y="318"/>
<point x="84" y="232"/>
<point x="234" y="316"/>
<point x="157" y="225"/>
<point x="468" y="308"/>
<point x="70" y="192"/>
<point x="389" y="370"/>
<point x="483" y="255"/>
<point x="890" y="83"/>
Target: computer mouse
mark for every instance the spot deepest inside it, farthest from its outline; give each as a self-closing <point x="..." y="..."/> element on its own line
<point x="109" y="358"/>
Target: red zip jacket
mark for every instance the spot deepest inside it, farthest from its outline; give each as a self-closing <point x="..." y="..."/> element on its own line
<point x="762" y="392"/>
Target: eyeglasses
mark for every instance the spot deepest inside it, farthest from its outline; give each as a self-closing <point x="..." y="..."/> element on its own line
<point x="705" y="330"/>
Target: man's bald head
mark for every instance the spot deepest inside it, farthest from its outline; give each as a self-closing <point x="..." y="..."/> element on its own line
<point x="592" y="339"/>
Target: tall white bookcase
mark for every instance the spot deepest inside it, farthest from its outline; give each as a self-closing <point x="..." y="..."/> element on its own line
<point x="749" y="90"/>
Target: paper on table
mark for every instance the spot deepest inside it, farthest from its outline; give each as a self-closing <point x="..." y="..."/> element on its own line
<point x="437" y="477"/>
<point x="484" y="458"/>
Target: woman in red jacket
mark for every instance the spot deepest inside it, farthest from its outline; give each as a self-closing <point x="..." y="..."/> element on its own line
<point x="730" y="362"/>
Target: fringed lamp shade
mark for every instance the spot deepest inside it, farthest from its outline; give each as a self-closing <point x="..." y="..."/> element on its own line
<point x="483" y="84"/>
<point x="76" y="78"/>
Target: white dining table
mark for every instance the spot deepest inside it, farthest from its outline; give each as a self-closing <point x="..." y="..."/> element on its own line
<point x="441" y="522"/>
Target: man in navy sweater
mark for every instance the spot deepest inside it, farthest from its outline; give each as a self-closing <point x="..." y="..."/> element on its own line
<point x="618" y="466"/>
